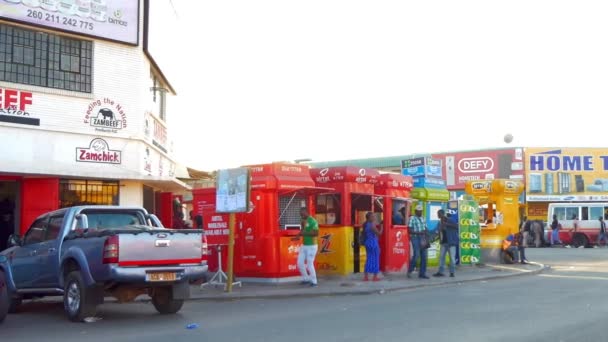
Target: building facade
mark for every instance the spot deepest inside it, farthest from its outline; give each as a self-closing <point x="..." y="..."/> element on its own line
<point x="83" y="111"/>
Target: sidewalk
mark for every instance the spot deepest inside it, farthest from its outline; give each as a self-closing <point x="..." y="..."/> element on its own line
<point x="353" y="285"/>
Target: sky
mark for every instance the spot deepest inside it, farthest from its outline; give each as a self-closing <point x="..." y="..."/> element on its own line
<point x="262" y="81"/>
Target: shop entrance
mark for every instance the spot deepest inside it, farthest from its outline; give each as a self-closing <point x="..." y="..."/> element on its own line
<point x="9" y="207"/>
<point x="361" y="204"/>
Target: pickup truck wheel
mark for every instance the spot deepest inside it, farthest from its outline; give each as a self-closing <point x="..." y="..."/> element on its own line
<point x="4" y="299"/>
<point x="163" y="302"/>
<point x="76" y="301"/>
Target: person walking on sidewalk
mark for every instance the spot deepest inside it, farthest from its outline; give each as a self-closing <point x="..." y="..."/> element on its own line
<point x="525" y="230"/>
<point x="449" y="240"/>
<point x="537" y="228"/>
<point x="308" y="250"/>
<point x="555" y="227"/>
<point x="602" y="235"/>
<point x="418" y="231"/>
<point x="372" y="247"/>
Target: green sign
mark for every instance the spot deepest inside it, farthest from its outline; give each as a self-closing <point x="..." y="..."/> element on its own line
<point x="470" y="232"/>
<point x="441" y="195"/>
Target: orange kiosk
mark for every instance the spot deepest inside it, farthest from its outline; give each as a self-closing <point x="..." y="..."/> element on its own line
<point x="340" y="214"/>
<point x="394" y="191"/>
<point x="266" y="246"/>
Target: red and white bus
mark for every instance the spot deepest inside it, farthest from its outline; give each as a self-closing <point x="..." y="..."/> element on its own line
<point x="586" y="215"/>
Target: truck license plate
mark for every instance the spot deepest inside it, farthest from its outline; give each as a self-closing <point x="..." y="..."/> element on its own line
<point x="161" y="276"/>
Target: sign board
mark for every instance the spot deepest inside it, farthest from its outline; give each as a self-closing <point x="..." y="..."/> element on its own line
<point x="233" y="190"/>
<point x="470" y="232"/>
<point x="116" y="20"/>
<point x="15" y="107"/>
<point x="460" y="167"/>
<point x="566" y="174"/>
<point x="105" y="115"/>
<point x="421" y="167"/>
<point x="99" y="152"/>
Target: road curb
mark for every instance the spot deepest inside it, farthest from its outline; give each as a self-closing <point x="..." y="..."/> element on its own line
<point x="236" y="297"/>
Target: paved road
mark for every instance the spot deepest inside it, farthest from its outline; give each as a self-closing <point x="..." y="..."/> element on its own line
<point x="568" y="303"/>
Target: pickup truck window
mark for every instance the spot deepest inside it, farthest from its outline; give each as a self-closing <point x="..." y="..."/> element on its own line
<point x="111" y="219"/>
<point x="36" y="233"/>
<point x="54" y="227"/>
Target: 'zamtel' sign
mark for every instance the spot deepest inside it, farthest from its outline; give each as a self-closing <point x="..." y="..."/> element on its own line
<point x="555" y="161"/>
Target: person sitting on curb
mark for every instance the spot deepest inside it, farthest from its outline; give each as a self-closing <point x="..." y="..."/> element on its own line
<point x="512" y="244"/>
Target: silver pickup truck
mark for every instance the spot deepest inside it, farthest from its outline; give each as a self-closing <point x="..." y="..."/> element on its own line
<point x="86" y="253"/>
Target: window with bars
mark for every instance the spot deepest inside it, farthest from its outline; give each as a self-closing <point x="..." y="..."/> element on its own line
<point x="45" y="60"/>
<point x="87" y="192"/>
<point x="289" y="210"/>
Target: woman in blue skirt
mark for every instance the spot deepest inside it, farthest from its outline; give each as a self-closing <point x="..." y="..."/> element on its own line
<point x="372" y="232"/>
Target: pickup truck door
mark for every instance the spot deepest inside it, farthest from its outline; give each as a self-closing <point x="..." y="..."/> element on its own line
<point x="48" y="253"/>
<point x="24" y="260"/>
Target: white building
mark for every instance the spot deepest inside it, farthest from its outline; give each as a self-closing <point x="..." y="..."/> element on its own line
<point x="83" y="111"/>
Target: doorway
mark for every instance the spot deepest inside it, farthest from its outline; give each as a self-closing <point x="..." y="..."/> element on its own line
<point x="360" y="205"/>
<point x="9" y="207"/>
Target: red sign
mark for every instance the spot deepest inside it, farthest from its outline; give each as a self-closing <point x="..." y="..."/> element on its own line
<point x="481" y="165"/>
<point x="216" y="228"/>
<point x="395" y="181"/>
<point x="280" y="176"/>
<point x="345" y="174"/>
<point x="10" y="98"/>
<point x="397" y="256"/>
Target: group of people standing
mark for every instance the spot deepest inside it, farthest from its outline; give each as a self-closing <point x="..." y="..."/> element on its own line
<point x="371" y="231"/>
<point x="419" y="237"/>
<point x="534" y="229"/>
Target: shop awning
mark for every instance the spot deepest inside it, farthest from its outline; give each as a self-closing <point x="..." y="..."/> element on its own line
<point x="166" y="184"/>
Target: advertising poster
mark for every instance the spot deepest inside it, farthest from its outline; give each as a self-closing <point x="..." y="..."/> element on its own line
<point x="460" y="167"/>
<point x="422" y="167"/>
<point x="470" y="232"/>
<point x="232" y="191"/>
<point x="566" y="174"/>
<point x="116" y="20"/>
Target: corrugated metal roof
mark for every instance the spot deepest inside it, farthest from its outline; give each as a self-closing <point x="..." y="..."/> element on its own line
<point x="390" y="162"/>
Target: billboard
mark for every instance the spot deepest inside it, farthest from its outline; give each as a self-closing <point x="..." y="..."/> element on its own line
<point x="116" y="20"/>
<point x="460" y="167"/>
<point x="421" y="167"/>
<point x="470" y="233"/>
<point x="566" y="174"/>
<point x="232" y="194"/>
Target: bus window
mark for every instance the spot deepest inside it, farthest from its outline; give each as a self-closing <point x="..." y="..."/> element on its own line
<point x="585" y="213"/>
<point x="595" y="213"/>
<point x="560" y="212"/>
<point x="571" y="213"/>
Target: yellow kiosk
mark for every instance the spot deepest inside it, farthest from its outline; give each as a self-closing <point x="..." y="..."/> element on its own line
<point x="501" y="196"/>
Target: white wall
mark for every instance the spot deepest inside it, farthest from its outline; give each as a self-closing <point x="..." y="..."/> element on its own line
<point x="131" y="193"/>
<point x="121" y="73"/>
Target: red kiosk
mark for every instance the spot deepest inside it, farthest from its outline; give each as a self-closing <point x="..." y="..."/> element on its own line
<point x="394" y="192"/>
<point x="266" y="246"/>
<point x="340" y="215"/>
